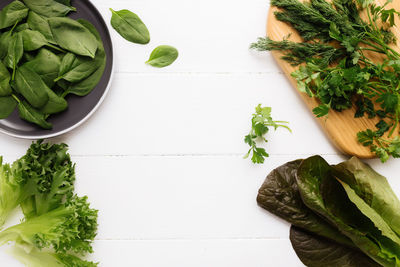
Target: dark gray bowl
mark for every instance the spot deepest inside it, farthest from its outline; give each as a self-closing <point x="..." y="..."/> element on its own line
<point x="79" y="108"/>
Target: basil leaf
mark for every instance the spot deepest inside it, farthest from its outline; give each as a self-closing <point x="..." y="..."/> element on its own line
<point x="30" y="114"/>
<point x="15" y="52"/>
<point x="316" y="251"/>
<point x="87" y="85"/>
<point x="162" y="56"/>
<point x="5" y="77"/>
<point x="49" y="8"/>
<point x="7" y="106"/>
<point x="322" y="193"/>
<point x="9" y="15"/>
<point x="31" y="86"/>
<point x="55" y="104"/>
<point x="75" y="69"/>
<point x="280" y="195"/>
<point x="47" y="65"/>
<point x="130" y="26"/>
<point x="40" y="24"/>
<point x="73" y="36"/>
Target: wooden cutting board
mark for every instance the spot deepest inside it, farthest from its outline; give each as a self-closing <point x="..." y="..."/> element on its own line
<point x="341" y="127"/>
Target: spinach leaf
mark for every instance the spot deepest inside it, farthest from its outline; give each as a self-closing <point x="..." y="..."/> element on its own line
<point x="373" y="188"/>
<point x="49" y="8"/>
<point x="130" y="26"/>
<point x="322" y="193"/>
<point x="7" y="106"/>
<point x="47" y="65"/>
<point x="5" y="40"/>
<point x="31" y="86"/>
<point x="30" y="114"/>
<point x="5" y="77"/>
<point x="14" y="53"/>
<point x="38" y="23"/>
<point x="316" y="251"/>
<point x="21" y="27"/>
<point x="75" y="68"/>
<point x="12" y="13"/>
<point x="162" y="56"/>
<point x="279" y="195"/>
<point x="73" y="36"/>
<point x="33" y="40"/>
<point x="86" y="86"/>
<point x="55" y="104"/>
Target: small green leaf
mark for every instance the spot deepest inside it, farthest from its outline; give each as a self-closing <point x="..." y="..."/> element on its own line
<point x="162" y="56"/>
<point x="321" y="111"/>
<point x="130" y="26"/>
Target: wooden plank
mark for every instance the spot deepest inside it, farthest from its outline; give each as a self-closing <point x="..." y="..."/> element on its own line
<point x="341" y="127"/>
<point x="207" y="114"/>
<point x="187" y="253"/>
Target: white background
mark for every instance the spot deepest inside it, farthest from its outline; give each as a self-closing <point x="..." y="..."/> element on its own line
<point x="162" y="157"/>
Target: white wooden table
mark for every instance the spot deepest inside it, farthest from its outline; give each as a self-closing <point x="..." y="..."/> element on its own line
<point x="162" y="157"/>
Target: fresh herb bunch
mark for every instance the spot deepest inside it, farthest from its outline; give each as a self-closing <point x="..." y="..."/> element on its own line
<point x="260" y="123"/>
<point x="41" y="61"/>
<point x="336" y="66"/>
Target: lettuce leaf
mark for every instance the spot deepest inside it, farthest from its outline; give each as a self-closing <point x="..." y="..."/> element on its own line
<point x="373" y="189"/>
<point x="279" y="195"/>
<point x="325" y="195"/>
<point x="317" y="251"/>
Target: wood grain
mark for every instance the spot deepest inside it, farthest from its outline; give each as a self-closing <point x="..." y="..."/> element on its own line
<point x="341" y="127"/>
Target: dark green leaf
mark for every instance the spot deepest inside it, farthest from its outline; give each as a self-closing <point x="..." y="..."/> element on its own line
<point x="75" y="69"/>
<point x="10" y="14"/>
<point x="86" y="86"/>
<point x="55" y="104"/>
<point x="40" y="24"/>
<point x="33" y="40"/>
<point x="162" y="56"/>
<point x="15" y="52"/>
<point x="280" y="195"/>
<point x="321" y="192"/>
<point x="21" y="27"/>
<point x="316" y="251"/>
<point x="30" y="114"/>
<point x="383" y="127"/>
<point x="47" y="65"/>
<point x="389" y="101"/>
<point x="73" y="36"/>
<point x="130" y="26"/>
<point x="31" y="86"/>
<point x="7" y="106"/>
<point x="5" y="40"/>
<point x="5" y="77"/>
<point x="49" y="8"/>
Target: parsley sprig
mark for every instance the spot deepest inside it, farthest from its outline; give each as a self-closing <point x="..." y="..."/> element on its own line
<point x="260" y="123"/>
<point x="336" y="65"/>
